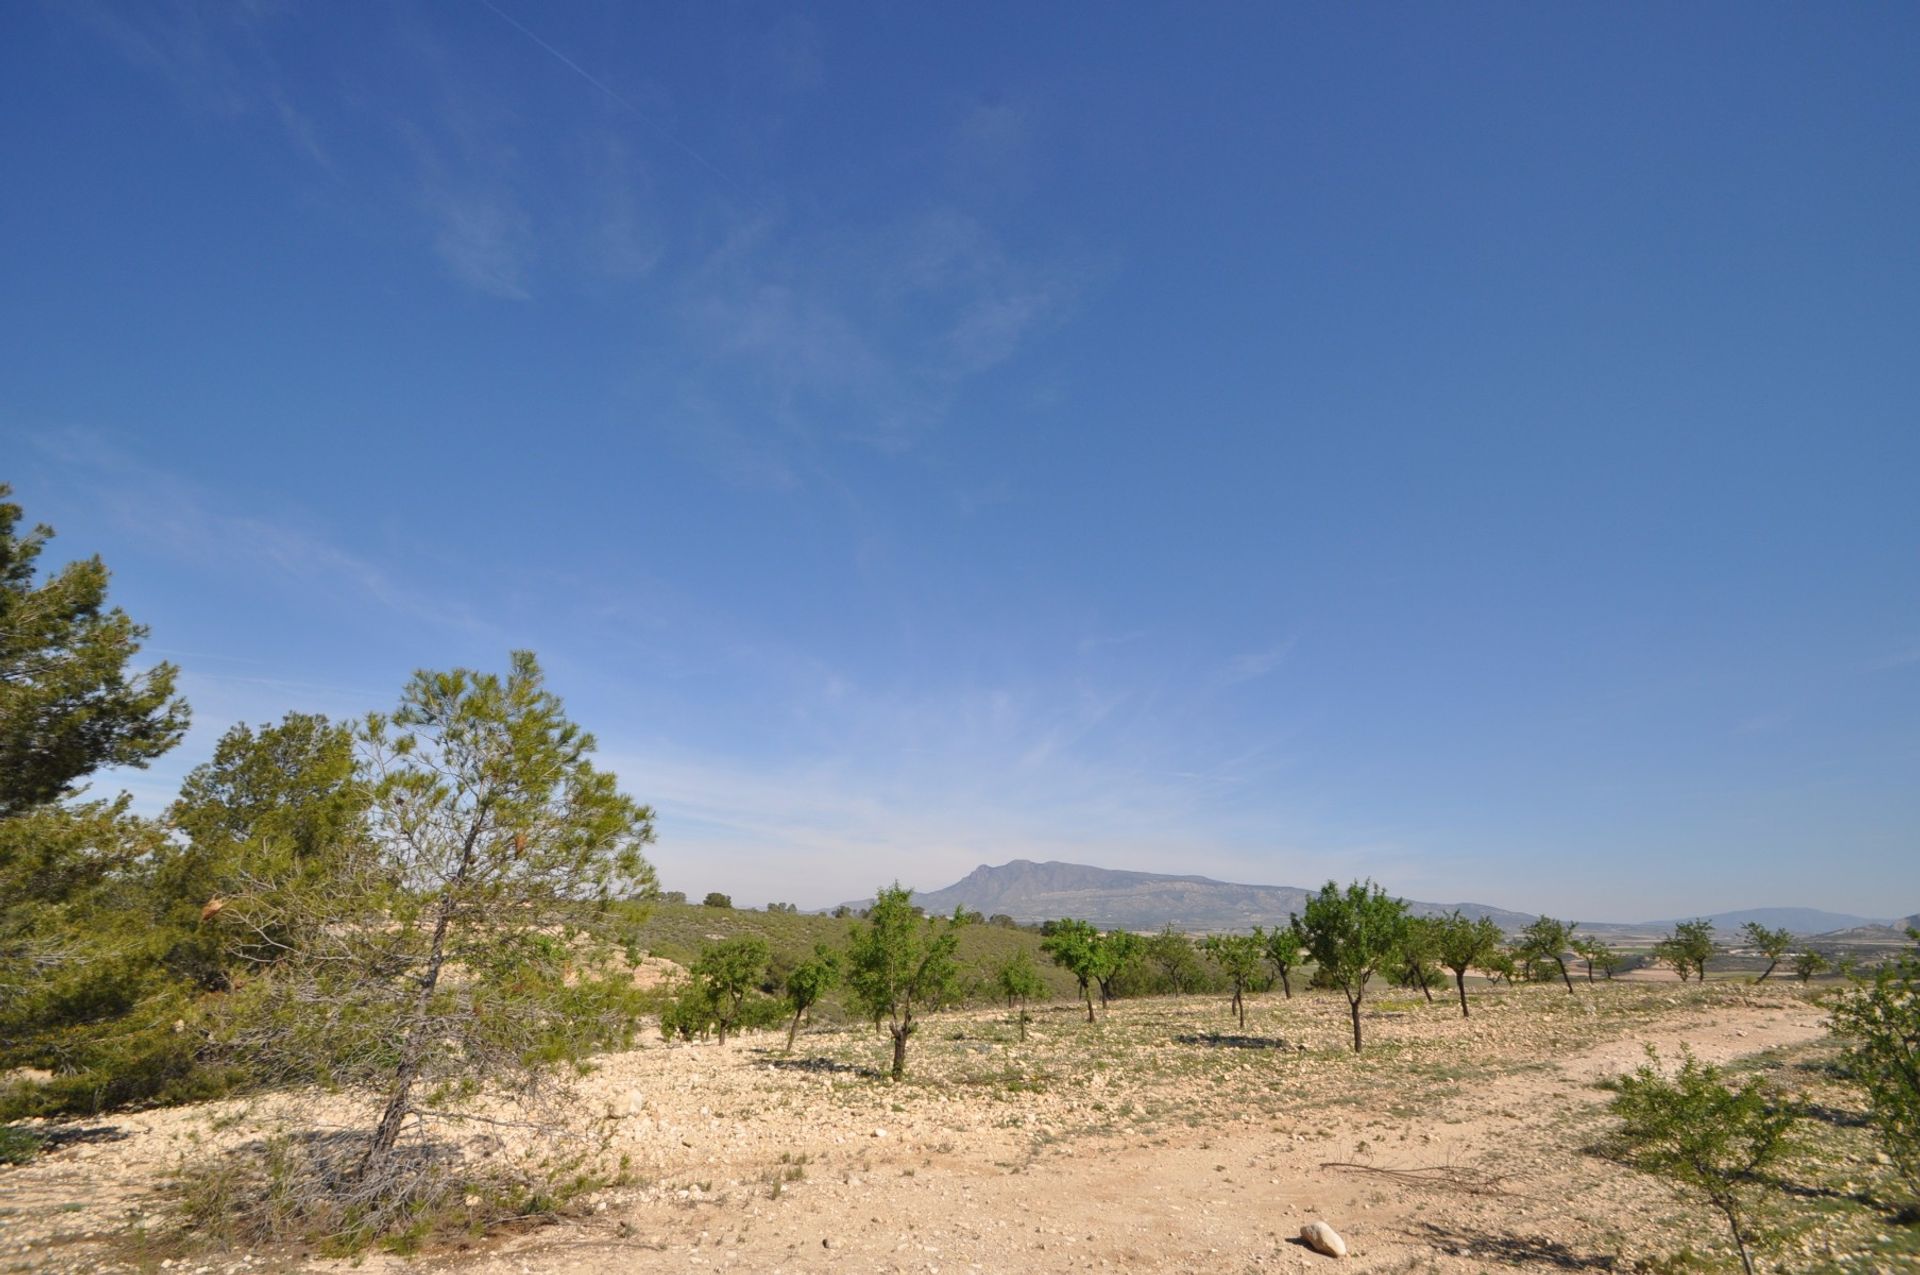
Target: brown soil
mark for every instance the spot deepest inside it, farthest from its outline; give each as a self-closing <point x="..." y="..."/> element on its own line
<point x="1162" y="1138"/>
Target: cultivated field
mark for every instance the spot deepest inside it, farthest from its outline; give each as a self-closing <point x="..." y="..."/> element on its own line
<point x="1159" y="1138"/>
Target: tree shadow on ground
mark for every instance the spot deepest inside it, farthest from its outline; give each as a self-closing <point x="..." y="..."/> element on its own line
<point x="1838" y="1117"/>
<point x="1223" y="1040"/>
<point x="824" y="1066"/>
<point x="59" y="1136"/>
<point x="1530" y="1252"/>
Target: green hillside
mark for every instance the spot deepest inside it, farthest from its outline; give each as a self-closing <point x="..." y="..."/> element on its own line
<point x="676" y="932"/>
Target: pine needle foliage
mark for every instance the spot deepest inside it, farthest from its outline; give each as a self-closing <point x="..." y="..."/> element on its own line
<point x="461" y="944"/>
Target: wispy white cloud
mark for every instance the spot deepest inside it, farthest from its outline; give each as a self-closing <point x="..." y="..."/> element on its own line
<point x="1249" y="665"/>
<point x="175" y="515"/>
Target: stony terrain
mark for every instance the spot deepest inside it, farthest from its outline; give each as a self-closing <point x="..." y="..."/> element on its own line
<point x="1160" y="1138"/>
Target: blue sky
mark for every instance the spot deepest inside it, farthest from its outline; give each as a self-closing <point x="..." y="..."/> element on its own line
<point x="1471" y="446"/>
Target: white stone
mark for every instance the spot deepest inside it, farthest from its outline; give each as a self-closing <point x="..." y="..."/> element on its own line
<point x="1322" y="1238"/>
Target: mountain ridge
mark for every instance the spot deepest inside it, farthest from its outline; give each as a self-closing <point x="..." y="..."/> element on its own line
<point x="1120" y="898"/>
<point x="1030" y="890"/>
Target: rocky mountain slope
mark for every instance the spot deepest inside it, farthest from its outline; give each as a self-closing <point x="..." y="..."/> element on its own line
<point x="1110" y="898"/>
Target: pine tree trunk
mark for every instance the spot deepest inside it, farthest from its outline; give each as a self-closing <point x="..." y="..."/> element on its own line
<point x="412" y="1046"/>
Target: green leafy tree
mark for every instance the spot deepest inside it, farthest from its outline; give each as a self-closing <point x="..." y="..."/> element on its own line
<point x="717" y="900"/>
<point x="1497" y="966"/>
<point x="1121" y="951"/>
<point x="1546" y="942"/>
<point x="1462" y="945"/>
<point x="1351" y="934"/>
<point x="1172" y="954"/>
<point x="466" y="942"/>
<point x="1807" y="963"/>
<point x="69" y="703"/>
<point x="689" y="1011"/>
<point x="1688" y="948"/>
<point x="731" y="970"/>
<point x="1238" y="957"/>
<point x="1075" y="947"/>
<point x="1703" y="1135"/>
<point x="900" y="964"/>
<point x="807" y="982"/>
<point x="1669" y="952"/>
<point x="1413" y="965"/>
<point x="1597" y="955"/>
<point x="1019" y="981"/>
<point x="1880" y="1021"/>
<point x="1772" y="944"/>
<point x="1285" y="944"/>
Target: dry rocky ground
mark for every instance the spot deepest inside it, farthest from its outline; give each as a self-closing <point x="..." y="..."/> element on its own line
<point x="1160" y="1138"/>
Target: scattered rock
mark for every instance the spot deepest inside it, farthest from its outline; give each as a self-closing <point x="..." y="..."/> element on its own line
<point x="1322" y="1238"/>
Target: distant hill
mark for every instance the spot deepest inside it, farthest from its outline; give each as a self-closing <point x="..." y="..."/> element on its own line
<point x="1797" y="920"/>
<point x="1114" y="899"/>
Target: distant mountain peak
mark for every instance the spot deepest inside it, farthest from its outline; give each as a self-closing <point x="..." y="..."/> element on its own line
<point x="1115" y="898"/>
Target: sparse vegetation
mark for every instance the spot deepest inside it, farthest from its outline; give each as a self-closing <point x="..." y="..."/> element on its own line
<point x="1880" y="1023"/>
<point x="1018" y="981"/>
<point x="1704" y="1135"/>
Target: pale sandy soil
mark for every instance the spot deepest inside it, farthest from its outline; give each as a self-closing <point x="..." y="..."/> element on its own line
<point x="1160" y="1139"/>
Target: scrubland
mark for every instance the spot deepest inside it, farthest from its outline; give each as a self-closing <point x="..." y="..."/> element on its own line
<point x="1160" y="1137"/>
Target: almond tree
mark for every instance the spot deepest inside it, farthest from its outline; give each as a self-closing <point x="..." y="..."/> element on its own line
<point x="1239" y="957"/>
<point x="1773" y="944"/>
<point x="1018" y="981"/>
<point x="1464" y="944"/>
<point x="728" y="971"/>
<point x="1880" y="1021"/>
<point x="1807" y="963"/>
<point x="1703" y="1135"/>
<point x="1284" y="946"/>
<point x="1075" y="946"/>
<point x="1173" y="952"/>
<point x="900" y="964"/>
<point x="1546" y="940"/>
<point x="1351" y="933"/>
<point x="807" y="982"/>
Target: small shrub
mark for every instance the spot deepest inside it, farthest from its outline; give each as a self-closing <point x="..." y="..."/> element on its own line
<point x="1880" y="1021"/>
<point x="1703" y="1135"/>
<point x="17" y="1145"/>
